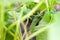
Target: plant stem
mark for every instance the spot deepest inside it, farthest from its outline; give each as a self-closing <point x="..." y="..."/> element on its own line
<point x="16" y="32"/>
<point x="1" y="23"/>
<point x="36" y="33"/>
<point x="18" y="28"/>
<point x="32" y="11"/>
<point x="28" y="15"/>
<point x="25" y="30"/>
<point x="47" y="5"/>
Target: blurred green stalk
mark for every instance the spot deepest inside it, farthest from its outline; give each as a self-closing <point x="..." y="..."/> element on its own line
<point x="1" y="23"/>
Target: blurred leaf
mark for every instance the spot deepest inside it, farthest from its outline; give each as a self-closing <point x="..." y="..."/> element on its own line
<point x="43" y="6"/>
<point x="26" y="1"/>
<point x="31" y="5"/>
<point x="51" y="4"/>
<point x="33" y="24"/>
<point x="43" y="23"/>
<point x="58" y="1"/>
<point x="9" y="36"/>
<point x="42" y="36"/>
<point x="46" y="18"/>
<point x="54" y="30"/>
<point x="7" y="2"/>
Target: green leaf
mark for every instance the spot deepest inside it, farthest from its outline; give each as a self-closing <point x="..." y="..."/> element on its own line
<point x="42" y="36"/>
<point x="33" y="24"/>
<point x="43" y="6"/>
<point x="43" y="23"/>
<point x="46" y="18"/>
